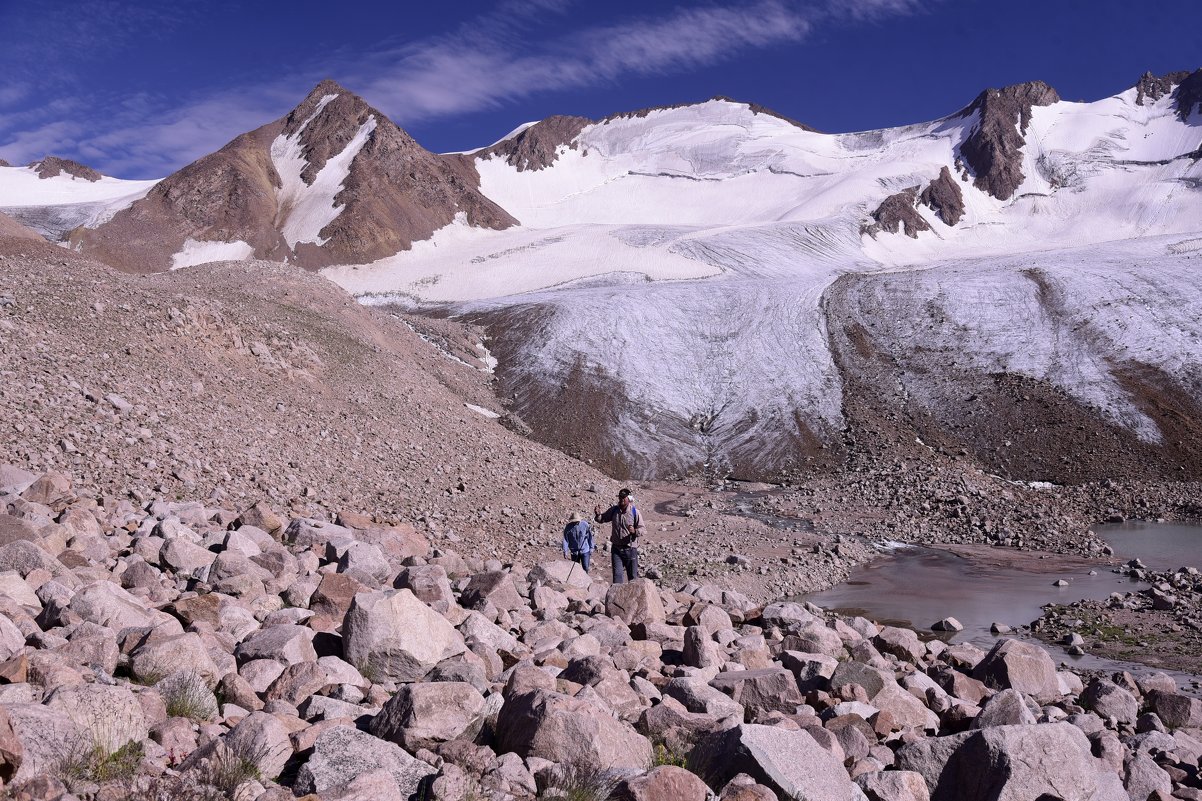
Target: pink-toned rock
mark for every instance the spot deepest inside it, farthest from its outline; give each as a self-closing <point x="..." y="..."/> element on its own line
<point x="393" y="635"/>
<point x="635" y="602"/>
<point x="663" y="783"/>
<point x="561" y="729"/>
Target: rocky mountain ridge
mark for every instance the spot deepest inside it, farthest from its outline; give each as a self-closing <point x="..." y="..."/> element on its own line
<point x="334" y="181"/>
<point x="735" y="208"/>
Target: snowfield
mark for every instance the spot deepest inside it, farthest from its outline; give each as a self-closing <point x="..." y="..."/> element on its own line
<point x="693" y="263"/>
<point x="684" y="259"/>
<point x="54" y="206"/>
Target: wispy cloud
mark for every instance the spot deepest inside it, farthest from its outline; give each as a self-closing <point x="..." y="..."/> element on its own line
<point x="486" y="64"/>
<point x="521" y="49"/>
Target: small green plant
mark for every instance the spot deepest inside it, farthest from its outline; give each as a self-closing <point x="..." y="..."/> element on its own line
<point x="236" y="761"/>
<point x="86" y="761"/>
<point x="186" y="696"/>
<point x="227" y="770"/>
<point x="369" y="671"/>
<point x="663" y="755"/>
<point x="573" y="781"/>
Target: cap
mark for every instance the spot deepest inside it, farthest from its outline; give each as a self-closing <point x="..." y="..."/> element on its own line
<point x="624" y="493"/>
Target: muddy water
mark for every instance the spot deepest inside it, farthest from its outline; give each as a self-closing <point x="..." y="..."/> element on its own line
<point x="917" y="586"/>
<point x="1161" y="546"/>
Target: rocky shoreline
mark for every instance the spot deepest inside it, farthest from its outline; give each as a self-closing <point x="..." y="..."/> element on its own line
<point x="1160" y="626"/>
<point x="176" y="650"/>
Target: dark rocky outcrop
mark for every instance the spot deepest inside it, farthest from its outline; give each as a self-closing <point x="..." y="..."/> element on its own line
<point x="944" y="197"/>
<point x="53" y="166"/>
<point x="993" y="151"/>
<point x="395" y="193"/>
<point x="897" y="213"/>
<point x="4" y="163"/>
<point x="1188" y="96"/>
<point x="538" y="146"/>
<point x="1150" y="88"/>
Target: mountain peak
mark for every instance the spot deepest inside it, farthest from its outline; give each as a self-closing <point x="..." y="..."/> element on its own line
<point x="993" y="151"/>
<point x="755" y="108"/>
<point x="328" y="86"/>
<point x="334" y="181"/>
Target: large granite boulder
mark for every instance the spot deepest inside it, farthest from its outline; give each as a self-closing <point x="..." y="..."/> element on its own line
<point x="1110" y="701"/>
<point x="1014" y="664"/>
<point x="1008" y="763"/>
<point x="792" y="763"/>
<point x="394" y="636"/>
<point x="343" y="753"/>
<point x="562" y="729"/>
<point x="424" y="715"/>
<point x="635" y="602"/>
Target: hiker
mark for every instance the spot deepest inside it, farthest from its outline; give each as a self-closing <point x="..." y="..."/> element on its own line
<point x="578" y="541"/>
<point x="626" y="524"/>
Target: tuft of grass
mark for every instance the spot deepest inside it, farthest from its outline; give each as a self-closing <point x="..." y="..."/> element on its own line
<point x="235" y="762"/>
<point x="186" y="696"/>
<point x="89" y="761"/>
<point x="577" y="782"/>
<point x="369" y="671"/>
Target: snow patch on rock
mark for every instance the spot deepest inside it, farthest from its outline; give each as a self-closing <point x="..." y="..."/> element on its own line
<point x="200" y="252"/>
<point x="305" y="209"/>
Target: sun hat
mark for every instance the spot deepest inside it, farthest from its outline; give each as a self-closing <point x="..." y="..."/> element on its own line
<point x="575" y="518"/>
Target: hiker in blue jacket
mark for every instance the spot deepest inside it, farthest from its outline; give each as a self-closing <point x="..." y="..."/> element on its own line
<point x="627" y="525"/>
<point x="578" y="541"/>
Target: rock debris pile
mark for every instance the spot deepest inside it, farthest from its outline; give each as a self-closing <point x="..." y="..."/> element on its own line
<point x="177" y="650"/>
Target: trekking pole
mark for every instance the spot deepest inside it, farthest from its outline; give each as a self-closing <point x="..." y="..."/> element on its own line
<point x="572" y="568"/>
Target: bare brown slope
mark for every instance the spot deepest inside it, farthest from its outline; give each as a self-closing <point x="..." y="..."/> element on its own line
<point x="11" y="229"/>
<point x="251" y="379"/>
<point x="396" y="193"/>
<point x="224" y="196"/>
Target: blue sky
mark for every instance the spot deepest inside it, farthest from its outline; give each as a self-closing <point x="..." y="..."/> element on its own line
<point x="138" y="89"/>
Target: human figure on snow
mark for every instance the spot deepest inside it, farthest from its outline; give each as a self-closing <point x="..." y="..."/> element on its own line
<point x="578" y="542"/>
<point x="626" y="526"/>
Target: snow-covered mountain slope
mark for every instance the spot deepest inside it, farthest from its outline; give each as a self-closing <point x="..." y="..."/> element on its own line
<point x="333" y="182"/>
<point x="52" y="200"/>
<point x="666" y="301"/>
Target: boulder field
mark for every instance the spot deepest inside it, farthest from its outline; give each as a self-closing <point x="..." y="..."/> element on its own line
<point x="174" y="650"/>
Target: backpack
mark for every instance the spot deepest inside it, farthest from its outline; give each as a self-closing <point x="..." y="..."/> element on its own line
<point x="578" y="536"/>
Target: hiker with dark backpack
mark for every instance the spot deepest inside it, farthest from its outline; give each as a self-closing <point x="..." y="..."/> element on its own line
<point x="626" y="526"/>
<point x="578" y="542"/>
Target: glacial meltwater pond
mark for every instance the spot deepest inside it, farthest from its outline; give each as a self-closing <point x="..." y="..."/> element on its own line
<point x="916" y="586"/>
<point x="1160" y="546"/>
